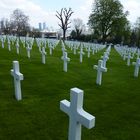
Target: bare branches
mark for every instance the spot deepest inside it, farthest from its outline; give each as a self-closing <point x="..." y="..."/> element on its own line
<point x="64" y="16"/>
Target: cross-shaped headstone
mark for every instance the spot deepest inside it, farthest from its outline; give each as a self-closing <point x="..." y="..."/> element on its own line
<point x="128" y="58"/>
<point x="93" y="50"/>
<point x="51" y="48"/>
<point x="43" y="55"/>
<point x="89" y="50"/>
<point x="105" y="58"/>
<point x="77" y="116"/>
<point x="137" y="65"/>
<point x="2" y="43"/>
<point x="9" y="46"/>
<point x="138" y="53"/>
<point x="65" y="59"/>
<point x="17" y="47"/>
<point x="28" y="51"/>
<point x="63" y="48"/>
<point x="99" y="69"/>
<point x="81" y="54"/>
<point x="74" y="49"/>
<point x="17" y="78"/>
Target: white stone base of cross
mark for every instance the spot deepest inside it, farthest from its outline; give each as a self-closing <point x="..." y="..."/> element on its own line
<point x="77" y="116"/>
<point x="17" y="78"/>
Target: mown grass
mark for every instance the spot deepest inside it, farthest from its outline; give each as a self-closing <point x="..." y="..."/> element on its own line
<point x="115" y="104"/>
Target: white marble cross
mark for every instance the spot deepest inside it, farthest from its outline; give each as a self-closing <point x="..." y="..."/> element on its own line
<point x="93" y="50"/>
<point x="17" y="78"/>
<point x="2" y="43"/>
<point x="28" y="51"/>
<point x="9" y="46"/>
<point x="51" y="48"/>
<point x="99" y="69"/>
<point x="74" y="49"/>
<point x="77" y="116"/>
<point x="81" y="54"/>
<point x="65" y="59"/>
<point x="138" y="53"/>
<point x="137" y="65"/>
<point x="43" y="55"/>
<point x="105" y="58"/>
<point x="128" y="59"/>
<point x="17" y="47"/>
<point x="89" y="50"/>
<point x="63" y="48"/>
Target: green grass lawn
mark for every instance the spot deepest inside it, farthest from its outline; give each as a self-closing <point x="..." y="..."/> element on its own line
<point x="115" y="104"/>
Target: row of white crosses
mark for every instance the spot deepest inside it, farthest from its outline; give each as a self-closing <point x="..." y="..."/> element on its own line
<point x="77" y="116"/>
<point x="101" y="67"/>
<point x="123" y="49"/>
<point x="75" y="45"/>
<point x="126" y="53"/>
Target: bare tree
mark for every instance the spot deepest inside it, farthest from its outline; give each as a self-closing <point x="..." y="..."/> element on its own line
<point x="5" y="26"/>
<point x="64" y="17"/>
<point x="19" y="21"/>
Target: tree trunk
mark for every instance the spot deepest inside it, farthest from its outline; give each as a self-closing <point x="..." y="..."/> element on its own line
<point x="64" y="35"/>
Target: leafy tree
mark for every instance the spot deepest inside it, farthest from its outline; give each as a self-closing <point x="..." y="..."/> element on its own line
<point x="64" y="16"/>
<point x="137" y="31"/>
<point x="19" y="21"/>
<point x="73" y="34"/>
<point x="107" y="18"/>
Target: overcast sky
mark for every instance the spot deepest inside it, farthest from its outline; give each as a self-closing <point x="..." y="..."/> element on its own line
<point x="45" y="10"/>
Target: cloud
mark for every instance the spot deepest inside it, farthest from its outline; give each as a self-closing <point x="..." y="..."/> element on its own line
<point x="84" y="10"/>
<point x="34" y="11"/>
<point x="45" y="12"/>
<point x="133" y="6"/>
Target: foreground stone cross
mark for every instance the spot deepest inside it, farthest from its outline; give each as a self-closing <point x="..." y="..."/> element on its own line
<point x="43" y="55"/>
<point x="17" y="78"/>
<point x="77" y="116"/>
<point x="65" y="59"/>
<point x="137" y="65"/>
<point x="99" y="69"/>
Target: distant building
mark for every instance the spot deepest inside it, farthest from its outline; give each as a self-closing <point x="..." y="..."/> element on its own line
<point x="40" y="26"/>
<point x="46" y="33"/>
<point x="44" y="25"/>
